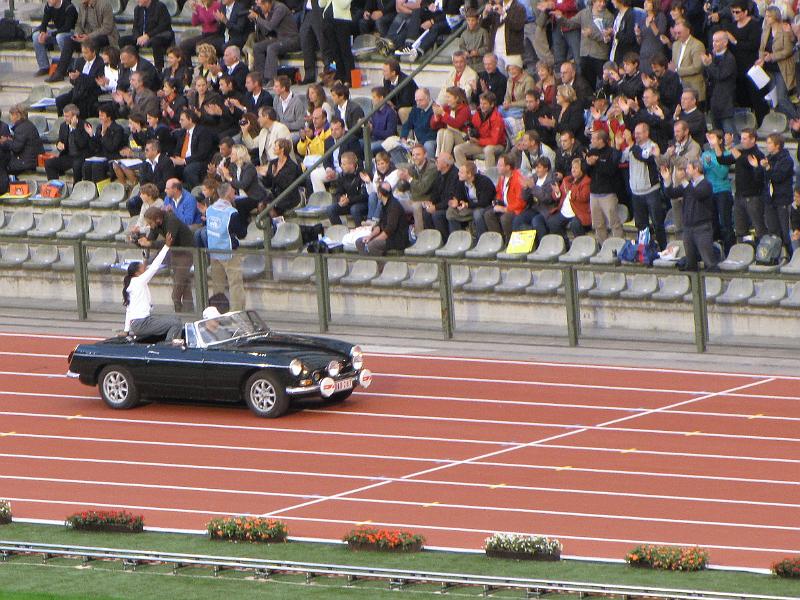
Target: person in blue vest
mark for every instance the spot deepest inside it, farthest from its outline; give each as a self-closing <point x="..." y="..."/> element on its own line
<point x="224" y="229"/>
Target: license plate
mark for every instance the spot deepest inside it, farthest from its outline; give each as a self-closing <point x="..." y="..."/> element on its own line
<point x="343" y="384"/>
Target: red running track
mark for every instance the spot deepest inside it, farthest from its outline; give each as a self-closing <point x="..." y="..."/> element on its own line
<point x="600" y="457"/>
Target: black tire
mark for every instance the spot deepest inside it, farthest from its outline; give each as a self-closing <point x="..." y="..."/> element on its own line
<point x="265" y="396"/>
<point x="339" y="397"/>
<point x="117" y="388"/>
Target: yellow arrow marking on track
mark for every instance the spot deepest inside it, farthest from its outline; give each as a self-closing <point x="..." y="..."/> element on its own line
<point x="7" y="433"/>
<point x="429" y="504"/>
<point x="563" y="468"/>
<point x="756" y="416"/>
<point x="499" y="485"/>
<point x="628" y="450"/>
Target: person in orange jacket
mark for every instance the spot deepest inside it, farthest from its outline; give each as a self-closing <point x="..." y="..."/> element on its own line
<point x="487" y="133"/>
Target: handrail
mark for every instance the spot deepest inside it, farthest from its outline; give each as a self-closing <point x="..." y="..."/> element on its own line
<point x="396" y="578"/>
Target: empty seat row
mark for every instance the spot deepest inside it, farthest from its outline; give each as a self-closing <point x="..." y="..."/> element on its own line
<point x="56" y="258"/>
<point x="52" y="225"/>
<point x="84" y="195"/>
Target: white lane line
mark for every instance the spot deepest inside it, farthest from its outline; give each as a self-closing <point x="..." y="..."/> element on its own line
<point x="23" y="374"/>
<point x="413" y="526"/>
<point x="433" y="482"/>
<point x="34" y="354"/>
<point x="48" y="336"/>
<point x="518" y="447"/>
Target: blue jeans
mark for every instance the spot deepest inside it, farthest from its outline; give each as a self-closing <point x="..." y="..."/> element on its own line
<point x="564" y="42"/>
<point x="42" y="58"/>
<point x="648" y="211"/>
<point x="723" y="226"/>
<point x="374" y="207"/>
<point x="783" y="105"/>
<point x="357" y="211"/>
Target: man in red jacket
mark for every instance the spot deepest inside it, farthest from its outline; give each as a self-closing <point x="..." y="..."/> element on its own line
<point x="487" y="133"/>
<point x="509" y="201"/>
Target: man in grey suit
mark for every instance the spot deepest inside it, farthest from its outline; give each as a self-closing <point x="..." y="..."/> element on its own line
<point x="277" y="35"/>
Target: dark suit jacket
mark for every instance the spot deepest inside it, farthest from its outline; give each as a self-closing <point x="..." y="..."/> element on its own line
<point x="264" y="99"/>
<point x="76" y="142"/>
<point x="247" y="181"/>
<point x="626" y="37"/>
<point x="164" y="170"/>
<point x="26" y="144"/>
<point x="239" y="74"/>
<point x="584" y="91"/>
<point x="111" y="143"/>
<point x="351" y="145"/>
<point x="353" y="113"/>
<point x="85" y="87"/>
<point x="162" y="133"/>
<point x="151" y="78"/>
<point x="158" y="19"/>
<point x="444" y="188"/>
<point x="406" y="95"/>
<point x="204" y="144"/>
<point x="238" y="25"/>
<point x="484" y="190"/>
<point x="721" y="74"/>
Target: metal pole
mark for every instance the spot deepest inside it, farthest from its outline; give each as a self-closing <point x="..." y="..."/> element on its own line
<point x="573" y="305"/>
<point x="367" y="149"/>
<point x="700" y="311"/>
<point x="268" y="251"/>
<point x="200" y="280"/>
<point x="81" y="292"/>
<point x="323" y="291"/>
<point x="446" y="296"/>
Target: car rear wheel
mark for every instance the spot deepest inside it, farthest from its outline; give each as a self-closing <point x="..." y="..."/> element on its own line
<point x="117" y="388"/>
<point x="264" y="396"/>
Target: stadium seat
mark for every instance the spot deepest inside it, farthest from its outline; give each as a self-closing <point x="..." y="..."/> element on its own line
<point x="545" y="282"/>
<point x="66" y="259"/>
<point x="739" y="291"/>
<point x="122" y="236"/>
<point x="459" y="276"/>
<point x="662" y="263"/>
<point x="33" y="187"/>
<point x="623" y="212"/>
<point x="669" y="222"/>
<point x="287" y="237"/>
<point x="393" y="274"/>
<point x="82" y="194"/>
<point x="609" y="285"/>
<point x="101" y="260"/>
<point x="759" y="268"/>
<point x="608" y="252"/>
<point x="336" y="233"/>
<point x="13" y="255"/>
<point x="107" y="227"/>
<point x="483" y="280"/>
<point x="254" y="237"/>
<point x="337" y="268"/>
<point x="640" y="287"/>
<point x="20" y="223"/>
<point x="317" y="205"/>
<point x="671" y="288"/>
<point x="489" y="244"/>
<point x="514" y="281"/>
<point x="428" y="241"/>
<point x="586" y="281"/>
<point x="110" y="197"/>
<point x="253" y="265"/>
<point x="172" y="7"/>
<point x="184" y="17"/>
<point x="42" y="257"/>
<point x="423" y="276"/>
<point x="361" y="273"/>
<point x="793" y="298"/>
<point x="793" y="266"/>
<point x="38" y="92"/>
<point x="456" y="246"/>
<point x="768" y="293"/>
<point x="744" y="119"/>
<point x="493" y="174"/>
<point x="300" y="269"/>
<point x="38" y="200"/>
<point x="365" y="44"/>
<point x="774" y="122"/>
<point x="582" y="249"/>
<point x="49" y="225"/>
<point x="551" y="246"/>
<point x="78" y="226"/>
<point x="40" y="121"/>
<point x="739" y="258"/>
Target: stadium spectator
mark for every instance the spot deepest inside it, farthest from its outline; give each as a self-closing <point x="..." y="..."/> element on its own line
<point x="720" y="70"/>
<point x="83" y="77"/>
<point x="645" y="186"/>
<point x="96" y="23"/>
<point x="278" y="175"/>
<point x="667" y="82"/>
<point x="776" y="57"/>
<point x="539" y="117"/>
<point x="194" y="145"/>
<point x="276" y="35"/>
<point x="349" y="192"/>
<point x="505" y="21"/>
<point x="152" y="27"/>
<point x="157" y="169"/>
<point x="474" y="41"/>
<point x="311" y="146"/>
<point x="432" y="214"/>
<point x="178" y="69"/>
<point x="385" y="171"/>
<point x="270" y="130"/>
<point x="461" y="75"/>
<point x="234" y="23"/>
<point x="622" y="33"/>
<point x="487" y="134"/>
<point x="451" y="120"/>
<point x="224" y="229"/>
<point x="419" y="175"/>
<point x="570" y="78"/>
<point x="592" y="21"/>
<point x="568" y="150"/>
<point x="718" y="176"/>
<point x="149" y="197"/>
<point x="311" y="38"/>
<point x="602" y="166"/>
<point x="490" y="79"/>
<point x="687" y="56"/>
<point x="179" y="201"/>
<point x="418" y="123"/>
<point x="337" y="23"/>
<point x="473" y="195"/>
<point x="131" y="62"/>
<point x="688" y="112"/>
<point x="107" y="141"/>
<point x="573" y="214"/>
<point x="779" y="173"/>
<point x="349" y="111"/>
<point x="58" y="21"/>
<point x="682" y="150"/>
<point x="242" y="175"/>
<point x="509" y="203"/>
<point x="391" y="231"/>
<point x="528" y="148"/>
<point x="289" y="107"/>
<point x="383" y="122"/>
<point x="393" y="76"/>
<point x="204" y="14"/>
<point x="73" y="146"/>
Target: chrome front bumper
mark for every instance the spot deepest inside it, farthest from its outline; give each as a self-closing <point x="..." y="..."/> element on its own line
<point x="72" y="375"/>
<point x="363" y="379"/>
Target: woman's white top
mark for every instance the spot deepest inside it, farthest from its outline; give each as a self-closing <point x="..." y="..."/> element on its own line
<point x="113" y="76"/>
<point x="139" y="301"/>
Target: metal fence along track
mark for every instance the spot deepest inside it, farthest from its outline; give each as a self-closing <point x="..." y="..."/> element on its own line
<point x="396" y="579"/>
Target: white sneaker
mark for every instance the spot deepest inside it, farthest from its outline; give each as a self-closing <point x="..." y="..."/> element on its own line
<point x="404" y="51"/>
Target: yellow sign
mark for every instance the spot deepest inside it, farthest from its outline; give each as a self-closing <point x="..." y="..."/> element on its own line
<point x="521" y="242"/>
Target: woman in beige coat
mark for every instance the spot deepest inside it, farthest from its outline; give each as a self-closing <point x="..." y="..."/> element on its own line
<point x="776" y="57"/>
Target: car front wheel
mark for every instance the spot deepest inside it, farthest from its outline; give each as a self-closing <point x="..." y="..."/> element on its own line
<point x="265" y="396"/>
<point x="117" y="388"/>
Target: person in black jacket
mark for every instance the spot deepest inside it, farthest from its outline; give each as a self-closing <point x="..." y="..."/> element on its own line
<point x="536" y="116"/>
<point x="279" y="175"/>
<point x="233" y="67"/>
<point x="624" y="31"/>
<point x="744" y="35"/>
<point x="698" y="215"/>
<point x="107" y="141"/>
<point x="393" y="77"/>
<point x="720" y="71"/>
<point x="83" y="77"/>
<point x="311" y="40"/>
<point x="391" y="232"/>
<point x="652" y="113"/>
<point x="779" y="172"/>
<point x="490" y="80"/>
<point x="18" y="152"/>
<point x="73" y="146"/>
<point x="194" y="147"/>
<point x="58" y="22"/>
<point x="473" y="194"/>
<point x="345" y="107"/>
<point x="349" y="192"/>
<point x="242" y="175"/>
<point x="333" y="164"/>
<point x="157" y="169"/>
<point x="667" y="82"/>
<point x="432" y="214"/>
<point x="603" y="167"/>
<point x="131" y="62"/>
<point x="152" y="26"/>
<point x="235" y="25"/>
<point x="748" y="203"/>
<point x="569" y="149"/>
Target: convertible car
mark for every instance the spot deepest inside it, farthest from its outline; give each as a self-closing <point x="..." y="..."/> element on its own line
<point x="232" y="357"/>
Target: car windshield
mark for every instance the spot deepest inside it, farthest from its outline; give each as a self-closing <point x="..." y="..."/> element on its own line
<point x="230" y="326"/>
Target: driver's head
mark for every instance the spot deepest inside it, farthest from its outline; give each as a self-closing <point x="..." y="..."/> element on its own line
<point x="212" y="314"/>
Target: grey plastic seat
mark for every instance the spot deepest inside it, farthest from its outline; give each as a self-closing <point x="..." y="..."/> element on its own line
<point x="662" y="263"/>
<point x="337" y="268"/>
<point x="254" y="237"/>
<point x="49" y="225"/>
<point x="545" y="282"/>
<point x="459" y="276"/>
<point x="768" y="293"/>
<point x="586" y="282"/>
<point x="608" y="252"/>
<point x="483" y="280"/>
<point x="739" y="291"/>
<point x="365" y="102"/>
<point x="82" y="195"/>
<point x="66" y="259"/>
<point x="253" y="266"/>
<point x="42" y="257"/>
<point x="13" y="255"/>
<point x="739" y="258"/>
<point x="287" y="237"/>
<point x="609" y="285"/>
<point x="671" y="288"/>
<point x="361" y="273"/>
<point x="365" y="44"/>
<point x="423" y="276"/>
<point x="172" y="7"/>
<point x="428" y="242"/>
<point x="38" y="200"/>
<point x="20" y="223"/>
<point x="713" y="289"/>
<point x="582" y="249"/>
<point x="300" y="269"/>
<point x="792" y="300"/>
<point x="550" y="248"/>
<point x="393" y="274"/>
<point x="122" y="236"/>
<point x="78" y="226"/>
<point x="38" y="92"/>
<point x="40" y="121"/>
<point x="793" y="266"/>
<point x="774" y="122"/>
<point x="744" y="119"/>
<point x="101" y="260"/>
<point x="493" y="174"/>
<point x="514" y="281"/>
<point x="316" y="206"/>
<point x="336" y="233"/>
<point x="623" y="212"/>
<point x="489" y="244"/>
<point x="640" y="287"/>
<point x="456" y="246"/>
<point x="759" y="268"/>
<point x="107" y="227"/>
<point x="110" y="197"/>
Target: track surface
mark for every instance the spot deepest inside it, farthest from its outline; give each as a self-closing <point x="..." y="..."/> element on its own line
<point x="601" y="457"/>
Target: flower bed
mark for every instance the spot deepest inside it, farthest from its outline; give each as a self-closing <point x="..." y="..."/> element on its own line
<point x="247" y="529"/>
<point x="5" y="512"/>
<point x="106" y="520"/>
<point x="670" y="558"/>
<point x="522" y="547"/>
<point x="384" y="540"/>
<point x="788" y="567"/>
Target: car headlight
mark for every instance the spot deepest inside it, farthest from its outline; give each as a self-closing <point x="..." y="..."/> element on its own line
<point x="358" y="357"/>
<point x="296" y="367"/>
<point x="334" y="367"/>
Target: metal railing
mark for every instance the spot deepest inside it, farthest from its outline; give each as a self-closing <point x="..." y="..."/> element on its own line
<point x="396" y="579"/>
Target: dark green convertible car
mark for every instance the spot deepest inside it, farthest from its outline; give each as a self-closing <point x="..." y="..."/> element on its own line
<point x="232" y="357"/>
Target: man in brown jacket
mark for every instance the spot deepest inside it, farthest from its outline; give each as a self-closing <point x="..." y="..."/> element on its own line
<point x="95" y="22"/>
<point x="505" y="20"/>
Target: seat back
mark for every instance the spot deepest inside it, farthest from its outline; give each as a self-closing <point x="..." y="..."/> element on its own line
<point x="611" y="282"/>
<point x="677" y="285"/>
<point x="80" y="223"/>
<point x="774" y="122"/>
<point x="286" y="235"/>
<point x="16" y="253"/>
<point x="336" y="233"/>
<point x="493" y="174"/>
<point x="364" y="269"/>
<point x="38" y="92"/>
<point x="113" y="192"/>
<point x="103" y="256"/>
<point x="66" y="255"/>
<point x="51" y="221"/>
<point x="44" y="254"/>
<point x="740" y="288"/>
<point x="518" y="277"/>
<point x="84" y="190"/>
<point x="489" y="242"/>
<point x="551" y="245"/>
<point x="21" y="219"/>
<point x="459" y="275"/>
<point x="744" y="119"/>
<point x="586" y="281"/>
<point x="487" y="276"/>
<point x="396" y="270"/>
<point x="109" y="224"/>
<point x="254" y="232"/>
<point x="425" y="273"/>
<point x="610" y="247"/>
<point x="320" y="199"/>
<point x="583" y="245"/>
<point x="742" y="253"/>
<point x="713" y="287"/>
<point x="553" y="278"/>
<point x="2" y="217"/>
<point x="40" y="121"/>
<point x="772" y="289"/>
<point x="337" y="268"/>
<point x="458" y="241"/>
<point x="427" y="241"/>
<point x="623" y="213"/>
<point x="644" y="283"/>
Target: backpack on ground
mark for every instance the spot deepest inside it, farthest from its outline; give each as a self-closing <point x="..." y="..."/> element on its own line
<point x="10" y="30"/>
<point x="768" y="251"/>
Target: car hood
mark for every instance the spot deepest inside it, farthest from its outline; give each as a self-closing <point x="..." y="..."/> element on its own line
<point x="314" y="351"/>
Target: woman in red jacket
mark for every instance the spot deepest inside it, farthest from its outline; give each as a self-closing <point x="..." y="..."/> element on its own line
<point x="573" y="211"/>
<point x="451" y="120"/>
<point x="487" y="133"/>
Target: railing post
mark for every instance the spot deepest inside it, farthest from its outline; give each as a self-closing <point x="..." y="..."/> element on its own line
<point x="446" y="296"/>
<point x="367" y="137"/>
<point x="200" y="280"/>
<point x="268" y="251"/>
<point x="323" y="292"/>
<point x="700" y="311"/>
<point x="81" y="283"/>
<point x="573" y="306"/>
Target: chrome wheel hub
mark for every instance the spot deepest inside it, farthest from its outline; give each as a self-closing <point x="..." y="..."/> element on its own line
<point x="263" y="395"/>
<point x="115" y="387"/>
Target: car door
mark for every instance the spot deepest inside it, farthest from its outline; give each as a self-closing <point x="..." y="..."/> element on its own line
<point x="173" y="372"/>
<point x="224" y="370"/>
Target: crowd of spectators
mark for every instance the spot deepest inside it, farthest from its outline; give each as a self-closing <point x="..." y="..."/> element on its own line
<point x="569" y="108"/>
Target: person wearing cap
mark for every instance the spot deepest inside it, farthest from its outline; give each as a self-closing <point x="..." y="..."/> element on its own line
<point x="210" y="329"/>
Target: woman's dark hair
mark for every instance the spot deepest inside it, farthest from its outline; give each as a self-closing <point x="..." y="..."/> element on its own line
<point x="113" y="56"/>
<point x="130" y="274"/>
<point x="285" y="145"/>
